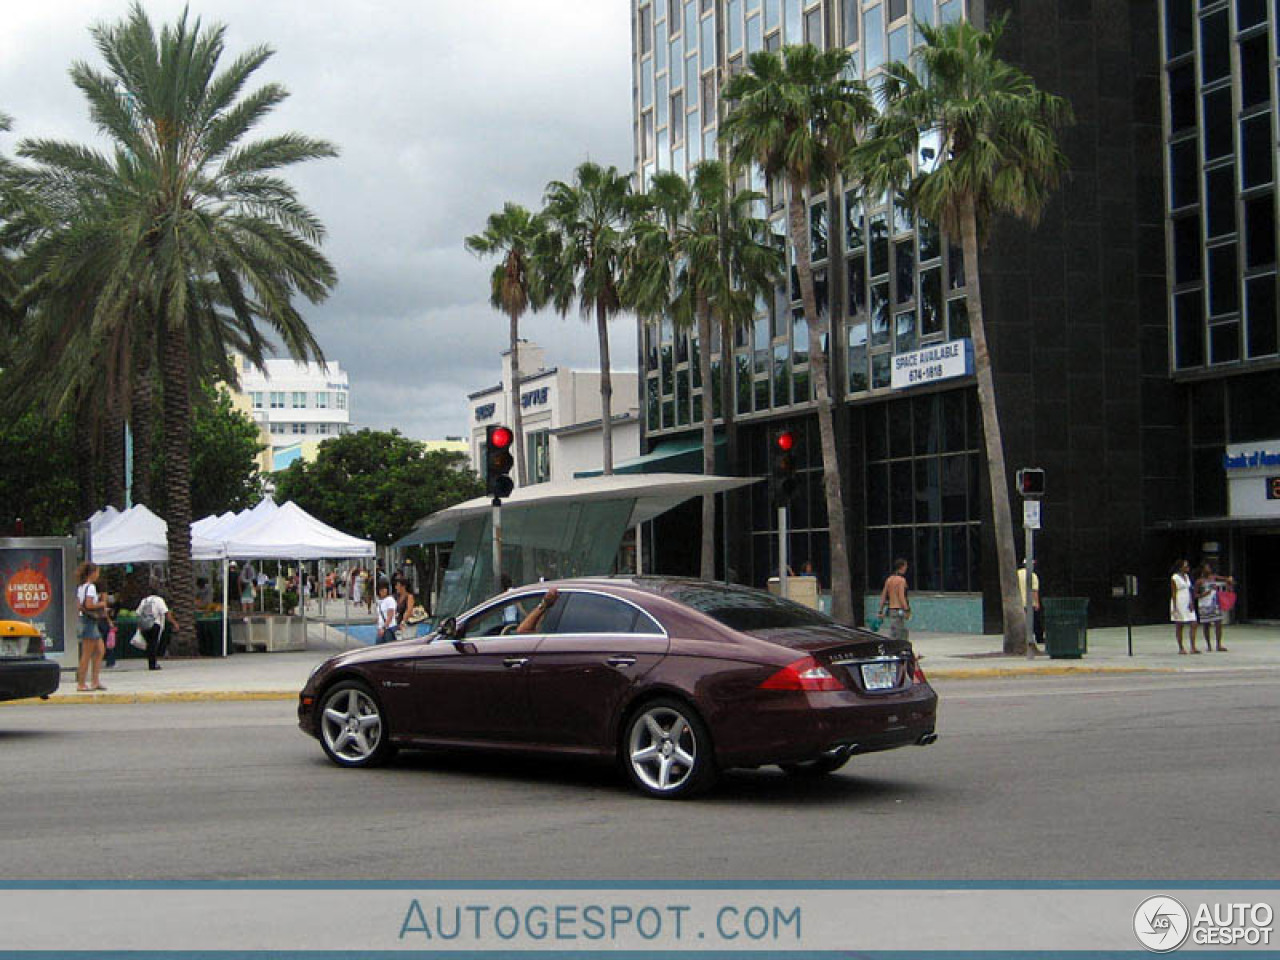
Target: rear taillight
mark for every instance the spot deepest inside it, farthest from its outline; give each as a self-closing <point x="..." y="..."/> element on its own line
<point x="803" y="674"/>
<point x="917" y="674"/>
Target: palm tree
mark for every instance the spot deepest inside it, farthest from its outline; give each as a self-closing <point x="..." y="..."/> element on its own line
<point x="196" y="238"/>
<point x="994" y="146"/>
<point x="513" y="287"/>
<point x="581" y="255"/>
<point x="701" y="257"/>
<point x="797" y="115"/>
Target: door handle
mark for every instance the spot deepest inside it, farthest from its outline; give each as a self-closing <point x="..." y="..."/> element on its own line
<point x="621" y="661"/>
<point x="512" y="662"/>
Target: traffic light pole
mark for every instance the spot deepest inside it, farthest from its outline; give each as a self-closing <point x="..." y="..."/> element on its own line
<point x="497" y="546"/>
<point x="783" y="590"/>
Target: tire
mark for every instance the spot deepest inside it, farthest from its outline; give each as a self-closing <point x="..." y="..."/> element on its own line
<point x="816" y="768"/>
<point x="667" y="750"/>
<point x="353" y="726"/>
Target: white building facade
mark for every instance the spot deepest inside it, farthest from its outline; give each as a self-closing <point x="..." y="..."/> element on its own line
<point x="561" y="417"/>
<point x="300" y="404"/>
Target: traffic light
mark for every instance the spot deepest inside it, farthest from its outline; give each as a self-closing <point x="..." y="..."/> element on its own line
<point x="498" y="461"/>
<point x="783" y="478"/>
<point x="1031" y="483"/>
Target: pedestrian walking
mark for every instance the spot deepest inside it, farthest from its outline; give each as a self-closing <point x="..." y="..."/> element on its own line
<point x="1209" y="608"/>
<point x="894" y="604"/>
<point x="153" y="615"/>
<point x="405" y="602"/>
<point x="1181" y="611"/>
<point x="248" y="587"/>
<point x="92" y="646"/>
<point x="386" y="614"/>
<point x="1037" y="619"/>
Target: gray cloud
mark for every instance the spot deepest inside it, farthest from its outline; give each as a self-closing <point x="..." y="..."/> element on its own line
<point x="442" y="112"/>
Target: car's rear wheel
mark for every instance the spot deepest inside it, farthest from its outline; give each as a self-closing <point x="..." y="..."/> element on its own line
<point x="667" y="750"/>
<point x="816" y="768"/>
<point x="353" y="727"/>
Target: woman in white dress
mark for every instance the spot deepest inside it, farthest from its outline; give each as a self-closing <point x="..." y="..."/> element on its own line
<point x="1180" y="610"/>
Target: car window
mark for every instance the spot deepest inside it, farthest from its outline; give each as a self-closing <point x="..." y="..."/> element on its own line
<point x="593" y="613"/>
<point x="500" y="619"/>
<point x="748" y="610"/>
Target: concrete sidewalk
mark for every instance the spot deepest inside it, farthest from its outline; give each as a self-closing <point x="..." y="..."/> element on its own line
<point x="279" y="676"/>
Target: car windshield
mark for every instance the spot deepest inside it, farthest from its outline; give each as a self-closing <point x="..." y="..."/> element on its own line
<point x="748" y="610"/>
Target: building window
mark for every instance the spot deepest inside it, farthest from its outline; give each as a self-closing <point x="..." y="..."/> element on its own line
<point x="256" y="397"/>
<point x="277" y="400"/>
<point x="341" y="398"/>
<point x="322" y="429"/>
<point x="922" y="484"/>
<point x="322" y="400"/>
<point x="277" y="428"/>
<point x="300" y="428"/>
<point x="299" y="400"/>
<point x="539" y="460"/>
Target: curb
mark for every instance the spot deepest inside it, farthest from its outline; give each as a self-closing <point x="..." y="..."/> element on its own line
<point x="986" y="673"/>
<point x="191" y="696"/>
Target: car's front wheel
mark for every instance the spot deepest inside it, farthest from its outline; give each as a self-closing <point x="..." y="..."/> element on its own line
<point x="667" y="750"/>
<point x="353" y="727"/>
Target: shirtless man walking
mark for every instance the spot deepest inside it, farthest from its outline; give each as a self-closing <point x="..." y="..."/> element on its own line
<point x="894" y="603"/>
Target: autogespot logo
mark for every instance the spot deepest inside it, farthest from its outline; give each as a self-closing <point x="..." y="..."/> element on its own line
<point x="1161" y="924"/>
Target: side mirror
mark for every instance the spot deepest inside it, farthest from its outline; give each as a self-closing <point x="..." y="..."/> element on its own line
<point x="464" y="646"/>
<point x="449" y="628"/>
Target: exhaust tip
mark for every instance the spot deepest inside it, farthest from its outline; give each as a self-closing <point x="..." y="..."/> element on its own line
<point x="927" y="739"/>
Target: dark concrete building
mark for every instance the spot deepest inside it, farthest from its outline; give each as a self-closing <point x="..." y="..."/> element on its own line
<point x="1086" y="314"/>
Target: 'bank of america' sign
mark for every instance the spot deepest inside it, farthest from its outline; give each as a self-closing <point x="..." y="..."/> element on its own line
<point x="942" y="361"/>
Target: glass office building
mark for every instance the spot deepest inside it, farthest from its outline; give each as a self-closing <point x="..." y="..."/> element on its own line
<point x="1089" y="376"/>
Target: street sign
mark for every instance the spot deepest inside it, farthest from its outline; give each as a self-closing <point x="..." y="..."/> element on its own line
<point x="1031" y="514"/>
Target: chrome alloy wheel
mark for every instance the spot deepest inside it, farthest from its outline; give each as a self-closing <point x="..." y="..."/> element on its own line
<point x="351" y="725"/>
<point x="663" y="749"/>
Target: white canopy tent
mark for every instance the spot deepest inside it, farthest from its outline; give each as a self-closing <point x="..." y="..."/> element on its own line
<point x="266" y="531"/>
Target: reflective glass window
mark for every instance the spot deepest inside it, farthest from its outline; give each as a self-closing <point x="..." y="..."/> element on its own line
<point x="857" y="284"/>
<point x="900" y="44"/>
<point x="1184" y="174"/>
<point x="931" y="315"/>
<point x="708" y="43"/>
<point x="1260" y="231"/>
<point x="772" y="14"/>
<point x="1215" y="47"/>
<point x="854" y="221"/>
<point x="795" y="21"/>
<point x="879" y="245"/>
<point x="755" y="36"/>
<point x="1257" y="151"/>
<point x="1250" y="13"/>
<point x="1260" y="313"/>
<point x="904" y="268"/>
<point x="1224" y="290"/>
<point x="904" y="337"/>
<point x="1224" y="342"/>
<point x="1217" y="124"/>
<point x="818" y="230"/>
<point x="857" y="360"/>
<point x="849" y="20"/>
<point x="873" y="37"/>
<point x="1188" y="329"/>
<point x="1186" y="249"/>
<point x="1179" y="24"/>
<point x="1182" y="98"/>
<point x="813" y="27"/>
<point x="880" y="315"/>
<point x="1220" y="201"/>
<point x="733" y="25"/>
<point x="660" y="48"/>
<point x="957" y="318"/>
<point x="645" y="30"/>
<point x="1255" y="71"/>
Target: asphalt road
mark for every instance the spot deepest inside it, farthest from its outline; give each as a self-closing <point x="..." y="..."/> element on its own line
<point x="1147" y="777"/>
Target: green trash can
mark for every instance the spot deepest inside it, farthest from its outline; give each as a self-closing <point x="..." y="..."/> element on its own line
<point x="1066" y="626"/>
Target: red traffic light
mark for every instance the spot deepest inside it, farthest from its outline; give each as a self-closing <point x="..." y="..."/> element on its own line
<point x="786" y="441"/>
<point x="501" y="438"/>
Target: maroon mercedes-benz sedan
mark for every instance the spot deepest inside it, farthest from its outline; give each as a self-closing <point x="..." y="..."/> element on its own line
<point x="675" y="679"/>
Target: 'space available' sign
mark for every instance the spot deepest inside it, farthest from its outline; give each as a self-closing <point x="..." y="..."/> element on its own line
<point x="942" y="361"/>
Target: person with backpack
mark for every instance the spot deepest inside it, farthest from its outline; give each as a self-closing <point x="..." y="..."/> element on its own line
<point x="153" y="613"/>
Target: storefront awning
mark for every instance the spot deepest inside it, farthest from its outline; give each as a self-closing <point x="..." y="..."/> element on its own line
<point x="669" y="456"/>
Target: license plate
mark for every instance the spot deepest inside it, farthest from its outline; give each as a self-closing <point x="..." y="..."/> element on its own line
<point x="11" y="646"/>
<point x="880" y="676"/>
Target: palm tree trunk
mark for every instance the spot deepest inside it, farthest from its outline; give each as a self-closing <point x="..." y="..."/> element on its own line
<point x="142" y="407"/>
<point x="606" y="389"/>
<point x="728" y="412"/>
<point x="86" y="486"/>
<point x="708" y="566"/>
<point x="113" y="449"/>
<point x="1015" y="627"/>
<point x="841" y="583"/>
<point x="175" y="370"/>
<point x="517" y="414"/>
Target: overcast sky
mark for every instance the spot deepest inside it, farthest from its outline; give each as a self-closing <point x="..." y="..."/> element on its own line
<point x="442" y="110"/>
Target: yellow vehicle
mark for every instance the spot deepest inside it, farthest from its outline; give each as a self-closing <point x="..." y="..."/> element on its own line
<point x="24" y="669"/>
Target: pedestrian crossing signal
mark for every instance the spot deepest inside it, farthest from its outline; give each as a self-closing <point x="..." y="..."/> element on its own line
<point x="498" y="461"/>
<point x="1031" y="483"/>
